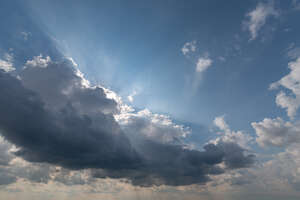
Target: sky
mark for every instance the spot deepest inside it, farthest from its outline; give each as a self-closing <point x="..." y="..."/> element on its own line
<point x="193" y="100"/>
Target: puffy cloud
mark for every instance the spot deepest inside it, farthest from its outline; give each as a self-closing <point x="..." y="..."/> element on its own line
<point x="276" y="132"/>
<point x="156" y="127"/>
<point x="221" y="123"/>
<point x="6" y="63"/>
<point x="38" y="61"/>
<point x="285" y="166"/>
<point x="280" y="172"/>
<point x="202" y="64"/>
<point x="189" y="47"/>
<point x="291" y="82"/>
<point x="258" y="17"/>
<point x="53" y="115"/>
<point x="227" y="135"/>
<point x="160" y="141"/>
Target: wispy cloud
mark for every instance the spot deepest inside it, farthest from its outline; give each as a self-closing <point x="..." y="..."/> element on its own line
<point x="189" y="47"/>
<point x="296" y="4"/>
<point x="257" y="18"/>
<point x="293" y="51"/>
<point x="25" y="35"/>
<point x="290" y="82"/>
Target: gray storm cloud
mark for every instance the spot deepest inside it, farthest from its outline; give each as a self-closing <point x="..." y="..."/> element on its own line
<point x="52" y="114"/>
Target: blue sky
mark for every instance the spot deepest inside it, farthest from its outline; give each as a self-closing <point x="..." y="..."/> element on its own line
<point x="203" y="72"/>
<point x="108" y="42"/>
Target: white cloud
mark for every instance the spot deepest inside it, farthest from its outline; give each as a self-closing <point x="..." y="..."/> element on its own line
<point x="7" y="63"/>
<point x="282" y="170"/>
<point x="189" y="47"/>
<point x="153" y="126"/>
<point x="38" y="61"/>
<point x="291" y="82"/>
<point x="276" y="132"/>
<point x="257" y="18"/>
<point x="285" y="166"/>
<point x="203" y="64"/>
<point x="72" y="61"/>
<point x="227" y="135"/>
<point x="130" y="98"/>
<point x="221" y="124"/>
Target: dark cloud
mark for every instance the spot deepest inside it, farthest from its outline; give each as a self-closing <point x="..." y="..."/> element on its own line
<point x="174" y="165"/>
<point x="53" y="116"/>
<point x="6" y="178"/>
<point x="61" y="137"/>
<point x="234" y="155"/>
<point x="5" y="155"/>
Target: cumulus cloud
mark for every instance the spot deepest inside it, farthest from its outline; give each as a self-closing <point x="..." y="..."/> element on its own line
<point x="227" y="135"/>
<point x="285" y="166"/>
<point x="6" y="63"/>
<point x="276" y="132"/>
<point x="55" y="117"/>
<point x="152" y="126"/>
<point x="281" y="172"/>
<point x="221" y="123"/>
<point x="38" y="61"/>
<point x="257" y="18"/>
<point x="203" y="64"/>
<point x="188" y="47"/>
<point x="290" y="82"/>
